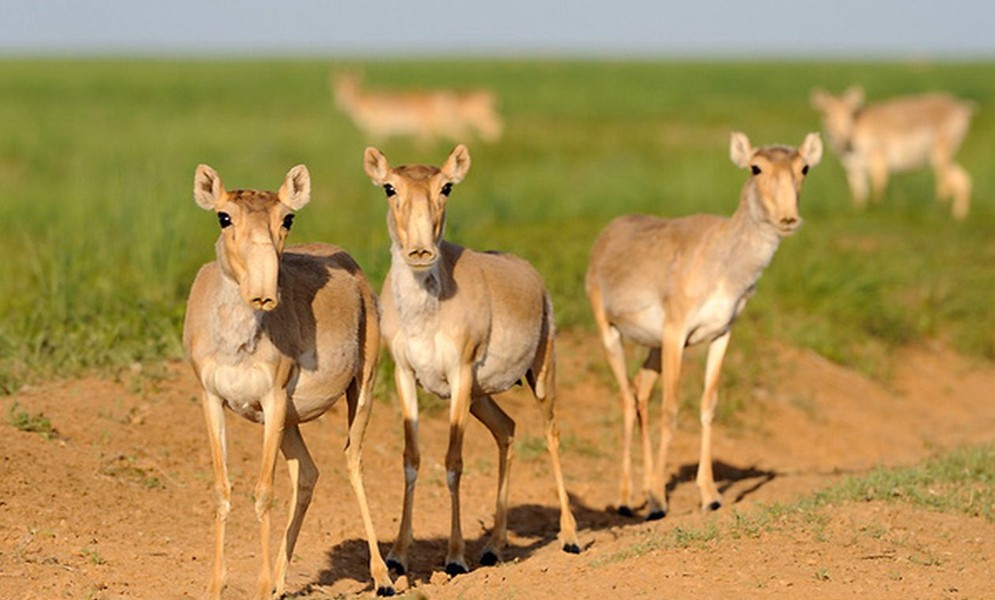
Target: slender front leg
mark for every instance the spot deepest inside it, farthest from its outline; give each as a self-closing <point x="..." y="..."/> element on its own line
<point x="644" y="381"/>
<point x="856" y="176"/>
<point x="673" y="351"/>
<point x="214" y="414"/>
<point x="360" y="399"/>
<point x="274" y="416"/>
<point x="710" y="497"/>
<point x="502" y="427"/>
<point x="879" y="176"/>
<point x="404" y="378"/>
<point x="959" y="182"/>
<point x="303" y="476"/>
<point x="460" y="382"/>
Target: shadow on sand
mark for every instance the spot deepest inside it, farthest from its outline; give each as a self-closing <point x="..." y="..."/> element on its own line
<point x="350" y="559"/>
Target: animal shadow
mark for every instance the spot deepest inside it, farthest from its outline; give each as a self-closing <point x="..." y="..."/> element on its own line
<point x="539" y="524"/>
<point x="726" y="476"/>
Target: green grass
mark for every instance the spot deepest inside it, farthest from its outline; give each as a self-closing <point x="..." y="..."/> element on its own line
<point x="101" y="238"/>
<point x="22" y="420"/>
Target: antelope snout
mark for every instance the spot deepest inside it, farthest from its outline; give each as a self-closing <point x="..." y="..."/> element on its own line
<point x="788" y="224"/>
<point x="421" y="258"/>
<point x="264" y="303"/>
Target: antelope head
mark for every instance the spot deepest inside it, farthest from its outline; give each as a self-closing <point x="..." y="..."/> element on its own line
<point x="839" y="113"/>
<point x="254" y="227"/>
<point x="416" y="197"/>
<point x="776" y="177"/>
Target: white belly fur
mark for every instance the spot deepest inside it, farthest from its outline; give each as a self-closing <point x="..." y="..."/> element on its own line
<point x="435" y="357"/>
<point x="645" y="325"/>
<point x="713" y="318"/>
<point x="430" y="355"/>
<point x="242" y="386"/>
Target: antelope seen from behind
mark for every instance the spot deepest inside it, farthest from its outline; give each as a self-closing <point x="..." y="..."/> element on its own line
<point x="278" y="336"/>
<point x="898" y="135"/>
<point x="425" y="115"/>
<point x="465" y="325"/>
<point x="671" y="283"/>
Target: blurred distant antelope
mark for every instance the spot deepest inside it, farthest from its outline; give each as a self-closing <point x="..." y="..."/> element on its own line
<point x="897" y="135"/>
<point x="425" y="115"/>
<point x="278" y="337"/>
<point x="464" y="325"/>
<point x="671" y="283"/>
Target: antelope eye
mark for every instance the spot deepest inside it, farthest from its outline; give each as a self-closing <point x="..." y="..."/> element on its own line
<point x="224" y="219"/>
<point x="805" y="170"/>
<point x="288" y="221"/>
<point x="446" y="189"/>
<point x="389" y="190"/>
<point x="755" y="169"/>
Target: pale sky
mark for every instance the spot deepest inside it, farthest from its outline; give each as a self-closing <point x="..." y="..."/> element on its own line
<point x="590" y="28"/>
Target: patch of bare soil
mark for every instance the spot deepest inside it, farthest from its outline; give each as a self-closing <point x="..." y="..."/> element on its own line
<point x="119" y="503"/>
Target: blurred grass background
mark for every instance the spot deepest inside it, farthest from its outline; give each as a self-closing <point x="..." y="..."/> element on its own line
<point x="100" y="237"/>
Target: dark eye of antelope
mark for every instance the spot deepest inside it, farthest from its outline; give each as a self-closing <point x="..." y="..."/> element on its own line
<point x="389" y="190"/>
<point x="446" y="189"/>
<point x="288" y="222"/>
<point x="805" y="170"/>
<point x="224" y="219"/>
<point x="755" y="169"/>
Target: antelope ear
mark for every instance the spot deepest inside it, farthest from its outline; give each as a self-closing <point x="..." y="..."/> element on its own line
<point x="457" y="164"/>
<point x="854" y="97"/>
<point x="740" y="151"/>
<point x="296" y="189"/>
<point x="376" y="165"/>
<point x="207" y="188"/>
<point x="811" y="149"/>
<point x="818" y="98"/>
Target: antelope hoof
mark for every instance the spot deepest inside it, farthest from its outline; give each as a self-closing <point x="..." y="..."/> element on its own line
<point x="625" y="511"/>
<point x="395" y="567"/>
<point x="713" y="506"/>
<point x="656" y="515"/>
<point x="488" y="559"/>
<point x="571" y="548"/>
<point x="453" y="569"/>
<point x="385" y="590"/>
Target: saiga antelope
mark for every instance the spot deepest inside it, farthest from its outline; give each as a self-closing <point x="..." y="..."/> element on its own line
<point x="672" y="283"/>
<point x="898" y="135"/>
<point x="425" y="115"/>
<point x="464" y="325"/>
<point x="278" y="337"/>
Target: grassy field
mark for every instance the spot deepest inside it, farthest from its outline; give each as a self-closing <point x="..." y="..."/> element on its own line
<point x="101" y="239"/>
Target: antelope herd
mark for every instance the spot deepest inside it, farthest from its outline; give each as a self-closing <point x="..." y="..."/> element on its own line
<point x="278" y="334"/>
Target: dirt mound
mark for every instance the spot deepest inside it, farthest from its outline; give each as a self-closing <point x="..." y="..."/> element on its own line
<point x="118" y="503"/>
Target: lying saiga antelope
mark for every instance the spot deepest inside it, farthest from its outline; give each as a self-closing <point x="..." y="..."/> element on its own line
<point x="671" y="283"/>
<point x="898" y="135"/>
<point x="425" y="115"/>
<point x="464" y="325"/>
<point x="278" y="337"/>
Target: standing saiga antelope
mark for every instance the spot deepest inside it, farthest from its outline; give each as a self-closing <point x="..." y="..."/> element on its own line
<point x="425" y="115"/>
<point x="464" y="325"/>
<point x="900" y="134"/>
<point x="278" y="336"/>
<point x="672" y="283"/>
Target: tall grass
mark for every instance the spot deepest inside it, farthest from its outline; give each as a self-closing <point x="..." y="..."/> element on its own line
<point x="100" y="237"/>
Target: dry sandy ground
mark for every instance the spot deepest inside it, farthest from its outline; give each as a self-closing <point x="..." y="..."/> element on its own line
<point x="119" y="505"/>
